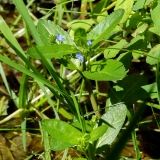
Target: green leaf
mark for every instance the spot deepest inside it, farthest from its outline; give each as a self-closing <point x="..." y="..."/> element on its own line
<point x="47" y="28"/>
<point x="62" y="131"/>
<point x="101" y="17"/>
<point x="98" y="132"/>
<point x="57" y="145"/>
<point x="80" y="37"/>
<point x="85" y="24"/>
<point x="66" y="114"/>
<point x="135" y="44"/>
<point x="127" y="6"/>
<point x="67" y="63"/>
<point x="141" y="29"/>
<point x="153" y="55"/>
<point x="126" y="59"/>
<point x="61" y="1"/>
<point x="129" y="90"/>
<point x="155" y="13"/>
<point x="97" y="9"/>
<point x="104" y="28"/>
<point x="151" y="89"/>
<point x="115" y="117"/>
<point x="155" y="30"/>
<point x="106" y="70"/>
<point x="52" y="51"/>
<point x="112" y="51"/>
<point x="86" y="123"/>
<point x="133" y="21"/>
<point x="80" y="32"/>
<point x="139" y="5"/>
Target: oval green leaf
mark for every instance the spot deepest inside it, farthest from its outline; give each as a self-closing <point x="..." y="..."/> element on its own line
<point x="46" y="28"/>
<point x="112" y="51"/>
<point x="57" y="145"/>
<point x="104" y="28"/>
<point x="115" y="117"/>
<point x="62" y="131"/>
<point x="52" y="51"/>
<point x="106" y="70"/>
<point x="153" y="55"/>
<point x="98" y="132"/>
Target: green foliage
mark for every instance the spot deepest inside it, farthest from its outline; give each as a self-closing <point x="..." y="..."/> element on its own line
<point x="62" y="131"/>
<point x="106" y="70"/>
<point x="52" y="51"/>
<point x="153" y="55"/>
<point x="139" y="5"/>
<point x="98" y="132"/>
<point x="47" y="28"/>
<point x="154" y="14"/>
<point x="57" y="145"/>
<point x="114" y="118"/>
<point x="127" y="6"/>
<point x="103" y="29"/>
<point x="128" y="90"/>
<point x="112" y="51"/>
<point x="85" y="24"/>
<point x="116" y="42"/>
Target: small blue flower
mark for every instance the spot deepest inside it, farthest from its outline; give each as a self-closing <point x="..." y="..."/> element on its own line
<point x="80" y="57"/>
<point x="60" y="38"/>
<point x="89" y="42"/>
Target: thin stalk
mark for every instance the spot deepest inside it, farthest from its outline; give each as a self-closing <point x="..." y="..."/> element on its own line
<point x="134" y="139"/>
<point x="68" y="16"/>
<point x="97" y="90"/>
<point x="110" y="6"/>
<point x="91" y="95"/>
<point x="24" y="80"/>
<point x="155" y="117"/>
<point x="81" y="90"/>
<point x="23" y="128"/>
<point x="150" y="104"/>
<point x="11" y="93"/>
<point x="80" y="118"/>
<point x="91" y="5"/>
<point x="92" y="99"/>
<point x="158" y="81"/>
<point x="46" y="143"/>
<point x="60" y="14"/>
<point x="83" y="9"/>
<point x="2" y="101"/>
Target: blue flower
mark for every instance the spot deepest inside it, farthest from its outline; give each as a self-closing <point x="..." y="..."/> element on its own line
<point x="80" y="57"/>
<point x="60" y="38"/>
<point x="89" y="43"/>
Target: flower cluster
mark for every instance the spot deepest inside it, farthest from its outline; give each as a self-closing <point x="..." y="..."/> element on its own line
<point x="79" y="55"/>
<point x="60" y="38"/>
<point x="89" y="43"/>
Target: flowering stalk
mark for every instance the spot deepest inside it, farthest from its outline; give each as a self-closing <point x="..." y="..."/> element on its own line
<point x="89" y="43"/>
<point x="60" y="38"/>
<point x="80" y="57"/>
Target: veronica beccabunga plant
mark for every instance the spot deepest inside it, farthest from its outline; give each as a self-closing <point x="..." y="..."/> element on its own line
<point x="56" y="43"/>
<point x="85" y="59"/>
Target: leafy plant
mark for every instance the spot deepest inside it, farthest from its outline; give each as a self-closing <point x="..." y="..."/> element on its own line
<point x="103" y="52"/>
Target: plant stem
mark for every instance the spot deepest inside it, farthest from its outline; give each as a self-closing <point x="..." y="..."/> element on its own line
<point x="92" y="99"/>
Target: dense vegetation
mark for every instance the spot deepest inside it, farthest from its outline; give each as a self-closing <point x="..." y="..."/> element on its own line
<point x="80" y="79"/>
